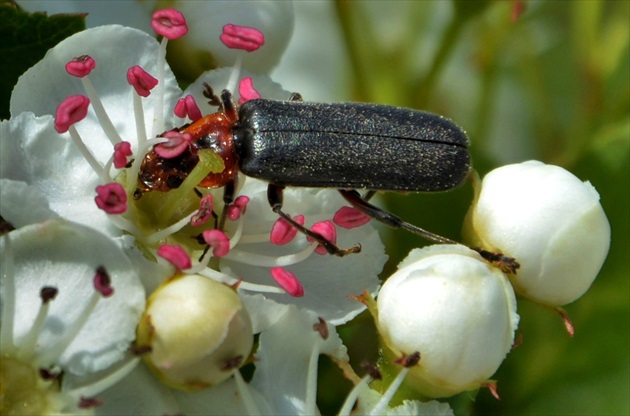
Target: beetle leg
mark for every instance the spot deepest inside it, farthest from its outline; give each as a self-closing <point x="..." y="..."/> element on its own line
<point x="390" y="219"/>
<point x="228" y="106"/>
<point x="368" y="195"/>
<point x="228" y="197"/>
<point x="274" y="196"/>
<point x="505" y="263"/>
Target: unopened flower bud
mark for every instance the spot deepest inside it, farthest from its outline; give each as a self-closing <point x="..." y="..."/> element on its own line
<point x="197" y="332"/>
<point x="453" y="308"/>
<point x="550" y="221"/>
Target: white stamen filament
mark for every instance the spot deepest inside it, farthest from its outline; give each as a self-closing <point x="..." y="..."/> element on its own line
<point x="216" y="275"/>
<point x="253" y="287"/>
<point x="351" y="399"/>
<point x="101" y="381"/>
<point x="171" y="229"/>
<point x="29" y="344"/>
<point x="261" y="260"/>
<point x="158" y="115"/>
<point x="108" y="166"/>
<point x="231" y="281"/>
<point x="379" y="408"/>
<point x="237" y="234"/>
<point x="124" y="224"/>
<point x="232" y="84"/>
<point x="99" y="110"/>
<point x="8" y="300"/>
<point x="138" y="112"/>
<point x="311" y="382"/>
<point x="255" y="238"/>
<point x="203" y="264"/>
<point x="52" y="354"/>
<point x="87" y="155"/>
<point x="243" y="390"/>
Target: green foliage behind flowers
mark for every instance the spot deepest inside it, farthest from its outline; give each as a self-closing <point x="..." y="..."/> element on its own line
<point x="24" y="40"/>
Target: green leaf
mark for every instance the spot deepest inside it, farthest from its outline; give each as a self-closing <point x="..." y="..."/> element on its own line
<point x="25" y="39"/>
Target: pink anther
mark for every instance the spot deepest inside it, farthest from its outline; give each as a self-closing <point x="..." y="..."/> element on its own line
<point x="169" y="23"/>
<point x="122" y="151"/>
<point x="73" y="109"/>
<point x="176" y="255"/>
<point x="287" y="281"/>
<point x="177" y="143"/>
<point x="89" y="403"/>
<point x="141" y="80"/>
<point x="282" y="232"/>
<point x="242" y="37"/>
<point x="327" y="230"/>
<point x="238" y="208"/>
<point x="187" y="107"/>
<point x="206" y="205"/>
<point x="246" y="90"/>
<point x="80" y="66"/>
<point x="111" y="198"/>
<point x="102" y="282"/>
<point x="350" y="217"/>
<point x="219" y="242"/>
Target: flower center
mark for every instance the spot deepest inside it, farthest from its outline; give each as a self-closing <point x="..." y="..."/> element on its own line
<point x="23" y="390"/>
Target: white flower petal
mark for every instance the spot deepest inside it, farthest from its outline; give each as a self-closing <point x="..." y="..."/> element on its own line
<point x="115" y="49"/>
<point x="327" y="280"/>
<point x="283" y="357"/>
<point x="263" y="312"/>
<point x="140" y="393"/>
<point x="206" y="20"/>
<point x="52" y="163"/>
<point x="224" y="399"/>
<point x="65" y="256"/>
<point x="369" y="398"/>
<point x="15" y="195"/>
<point x="416" y="408"/>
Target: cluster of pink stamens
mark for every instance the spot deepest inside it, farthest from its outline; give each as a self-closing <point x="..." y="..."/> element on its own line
<point x="112" y="197"/>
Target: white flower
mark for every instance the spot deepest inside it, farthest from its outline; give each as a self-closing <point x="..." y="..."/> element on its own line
<point x="453" y="308"/>
<point x="207" y="20"/>
<point x="69" y="169"/>
<point x="550" y="221"/>
<point x="70" y="303"/>
<point x="370" y="402"/>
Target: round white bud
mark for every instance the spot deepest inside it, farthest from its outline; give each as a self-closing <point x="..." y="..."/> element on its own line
<point x="456" y="310"/>
<point x="197" y="332"/>
<point x="550" y="221"/>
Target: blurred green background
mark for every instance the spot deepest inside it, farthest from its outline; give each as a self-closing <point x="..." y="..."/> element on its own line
<point x="546" y="80"/>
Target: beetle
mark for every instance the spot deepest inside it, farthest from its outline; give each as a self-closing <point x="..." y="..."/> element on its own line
<point x="346" y="146"/>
